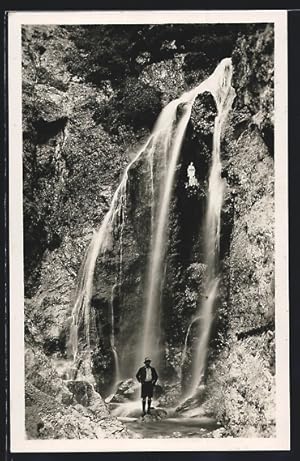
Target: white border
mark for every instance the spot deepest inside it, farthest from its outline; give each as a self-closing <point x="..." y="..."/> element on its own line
<point x="17" y="401"/>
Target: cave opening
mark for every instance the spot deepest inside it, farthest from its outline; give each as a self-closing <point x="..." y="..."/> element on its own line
<point x="190" y="200"/>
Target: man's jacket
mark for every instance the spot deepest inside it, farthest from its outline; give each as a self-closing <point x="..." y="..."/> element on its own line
<point x="141" y="375"/>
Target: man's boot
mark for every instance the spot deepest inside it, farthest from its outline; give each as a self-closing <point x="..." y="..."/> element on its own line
<point x="149" y="405"/>
<point x="144" y="407"/>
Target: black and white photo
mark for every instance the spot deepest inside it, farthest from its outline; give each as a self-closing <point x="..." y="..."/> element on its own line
<point x="149" y="218"/>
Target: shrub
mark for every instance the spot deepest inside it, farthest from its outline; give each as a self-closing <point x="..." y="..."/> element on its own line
<point x="244" y="402"/>
<point x="136" y="104"/>
<point x="110" y="52"/>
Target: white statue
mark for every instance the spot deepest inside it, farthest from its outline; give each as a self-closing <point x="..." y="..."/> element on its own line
<point x="191" y="175"/>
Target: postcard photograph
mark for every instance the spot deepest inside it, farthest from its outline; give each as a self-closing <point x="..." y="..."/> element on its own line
<point x="148" y="231"/>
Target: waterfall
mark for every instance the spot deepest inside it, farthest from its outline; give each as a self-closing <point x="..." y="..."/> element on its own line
<point x="185" y="345"/>
<point x="112" y="334"/>
<point x="158" y="141"/>
<point x="122" y="211"/>
<point x="218" y="84"/>
<point x="164" y="144"/>
<point x="101" y="240"/>
<point x="224" y="96"/>
<point x="151" y="333"/>
<point x="151" y="166"/>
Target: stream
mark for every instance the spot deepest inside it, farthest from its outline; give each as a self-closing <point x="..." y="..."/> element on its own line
<point x="163" y="423"/>
<point x="173" y="427"/>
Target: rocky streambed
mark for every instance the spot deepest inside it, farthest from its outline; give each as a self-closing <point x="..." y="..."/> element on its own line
<point x="151" y="427"/>
<point x="60" y="407"/>
<point x="167" y="418"/>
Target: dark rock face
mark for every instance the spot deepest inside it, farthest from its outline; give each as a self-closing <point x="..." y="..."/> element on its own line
<point x="71" y="168"/>
<point x="73" y="161"/>
<point x="254" y="81"/>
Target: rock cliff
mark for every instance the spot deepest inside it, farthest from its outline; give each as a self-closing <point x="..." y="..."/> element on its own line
<point x="242" y="379"/>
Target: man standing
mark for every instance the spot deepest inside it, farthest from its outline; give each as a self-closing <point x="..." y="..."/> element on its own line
<point x="147" y="376"/>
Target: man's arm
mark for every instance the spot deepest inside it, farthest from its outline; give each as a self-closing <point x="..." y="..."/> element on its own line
<point x="154" y="376"/>
<point x="138" y="375"/>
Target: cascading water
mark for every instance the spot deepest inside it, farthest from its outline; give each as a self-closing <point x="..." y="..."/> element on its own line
<point x="151" y="332"/>
<point x="158" y="141"/>
<point x="218" y="84"/>
<point x="185" y="346"/>
<point x="224" y="97"/>
<point x="164" y="145"/>
<point x="100" y="242"/>
<point x="112" y="335"/>
<point x="150" y="161"/>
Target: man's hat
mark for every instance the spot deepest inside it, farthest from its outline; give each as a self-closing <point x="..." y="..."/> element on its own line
<point x="147" y="359"/>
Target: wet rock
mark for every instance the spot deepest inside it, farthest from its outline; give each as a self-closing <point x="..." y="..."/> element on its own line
<point x="126" y="390"/>
<point x="194" y="401"/>
<point x="156" y="414"/>
<point x="119" y="399"/>
<point x="159" y="412"/>
<point x="148" y="418"/>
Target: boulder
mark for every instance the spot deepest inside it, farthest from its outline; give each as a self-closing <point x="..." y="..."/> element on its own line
<point x="126" y="390"/>
<point x="57" y="408"/>
<point x="192" y="406"/>
<point x="84" y="394"/>
<point x="46" y="418"/>
<point x="40" y="373"/>
<point x="156" y="414"/>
